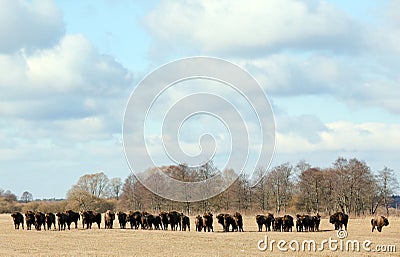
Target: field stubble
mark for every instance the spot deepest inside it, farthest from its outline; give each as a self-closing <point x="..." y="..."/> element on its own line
<point x="118" y="242"/>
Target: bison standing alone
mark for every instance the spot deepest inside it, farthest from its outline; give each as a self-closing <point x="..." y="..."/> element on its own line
<point x="18" y="219"/>
<point x="379" y="222"/>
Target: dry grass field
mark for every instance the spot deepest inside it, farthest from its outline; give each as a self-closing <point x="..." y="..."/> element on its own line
<point x="117" y="242"/>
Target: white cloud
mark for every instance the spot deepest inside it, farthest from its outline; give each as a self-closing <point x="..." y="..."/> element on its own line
<point x="70" y="80"/>
<point x="344" y="137"/>
<point x="29" y="24"/>
<point x="237" y="27"/>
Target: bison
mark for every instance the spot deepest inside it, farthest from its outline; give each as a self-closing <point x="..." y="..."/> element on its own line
<point x="379" y="222"/>
<point x="164" y="220"/>
<point x="199" y="223"/>
<point x="277" y="224"/>
<point x="287" y="223"/>
<point x="316" y="221"/>
<point x="174" y="219"/>
<point x="226" y="220"/>
<point x="50" y="220"/>
<point x="237" y="217"/>
<point x="63" y="221"/>
<point x="185" y="222"/>
<point x="122" y="219"/>
<point x="264" y="220"/>
<point x="304" y="223"/>
<point x="135" y="219"/>
<point x="208" y="222"/>
<point x="339" y="219"/>
<point x="90" y="217"/>
<point x="157" y="222"/>
<point x="73" y="217"/>
<point x="40" y="220"/>
<point x="147" y="220"/>
<point x="299" y="223"/>
<point x="18" y="219"/>
<point x="109" y="218"/>
<point x="29" y="219"/>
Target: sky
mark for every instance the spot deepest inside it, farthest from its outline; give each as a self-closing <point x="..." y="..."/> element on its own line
<point x="68" y="68"/>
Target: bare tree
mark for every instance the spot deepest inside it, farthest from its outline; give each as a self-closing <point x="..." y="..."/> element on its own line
<point x="260" y="192"/>
<point x="282" y="186"/>
<point x="353" y="182"/>
<point x="311" y="189"/>
<point x="387" y="183"/>
<point x="26" y="197"/>
<point x="95" y="184"/>
<point x="115" y="187"/>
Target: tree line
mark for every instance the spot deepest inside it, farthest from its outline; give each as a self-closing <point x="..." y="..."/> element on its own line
<point x="349" y="185"/>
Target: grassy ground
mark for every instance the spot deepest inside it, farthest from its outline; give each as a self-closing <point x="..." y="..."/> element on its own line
<point x="117" y="242"/>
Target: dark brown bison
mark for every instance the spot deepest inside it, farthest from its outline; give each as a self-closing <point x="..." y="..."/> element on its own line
<point x="50" y="220"/>
<point x="90" y="217"/>
<point x="339" y="219"/>
<point x="304" y="223"/>
<point x="147" y="220"/>
<point x="287" y="223"/>
<point x="96" y="218"/>
<point x="73" y="217"/>
<point x="277" y="224"/>
<point x="299" y="223"/>
<point x="208" y="222"/>
<point x="40" y="220"/>
<point x="122" y="219"/>
<point x="199" y="223"/>
<point x="109" y="218"/>
<point x="135" y="219"/>
<point x="237" y="217"/>
<point x="316" y="221"/>
<point x="261" y="221"/>
<point x="164" y="220"/>
<point x="174" y="219"/>
<point x="86" y="219"/>
<point x="379" y="223"/>
<point x="63" y="221"/>
<point x="264" y="220"/>
<point x="157" y="222"/>
<point x="185" y="222"/>
<point x="18" y="219"/>
<point x="29" y="219"/>
<point x="227" y="221"/>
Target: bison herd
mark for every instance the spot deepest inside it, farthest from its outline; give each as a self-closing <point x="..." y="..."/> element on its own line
<point x="177" y="220"/>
